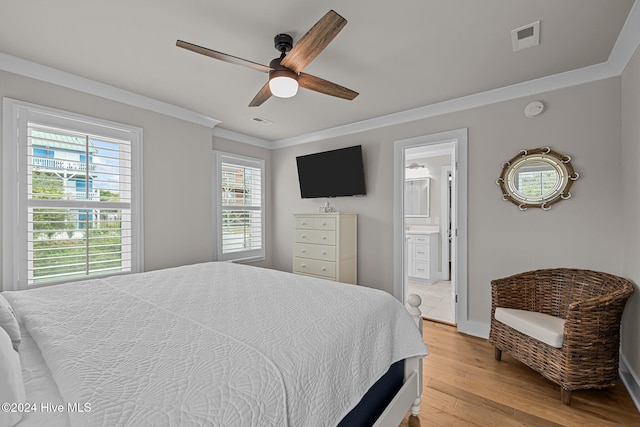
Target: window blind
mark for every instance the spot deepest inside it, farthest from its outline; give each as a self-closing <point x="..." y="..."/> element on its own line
<point x="240" y="183"/>
<point x="79" y="201"/>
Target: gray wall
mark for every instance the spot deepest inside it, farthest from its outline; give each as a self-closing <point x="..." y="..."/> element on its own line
<point x="630" y="208"/>
<point x="584" y="232"/>
<point x="177" y="170"/>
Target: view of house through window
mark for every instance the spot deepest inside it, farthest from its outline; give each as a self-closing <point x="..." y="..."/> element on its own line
<point x="241" y="207"/>
<point x="79" y="198"/>
<point x="72" y="196"/>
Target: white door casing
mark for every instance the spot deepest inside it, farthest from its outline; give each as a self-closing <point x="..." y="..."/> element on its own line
<point x="457" y="139"/>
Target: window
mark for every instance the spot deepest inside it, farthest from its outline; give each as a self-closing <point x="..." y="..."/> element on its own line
<point x="76" y="184"/>
<point x="239" y="207"/>
<point x="537" y="183"/>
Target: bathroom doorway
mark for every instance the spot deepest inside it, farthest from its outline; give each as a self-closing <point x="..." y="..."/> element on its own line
<point x="430" y="223"/>
<point x="427" y="222"/>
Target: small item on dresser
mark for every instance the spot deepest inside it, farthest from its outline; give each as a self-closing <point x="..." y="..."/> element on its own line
<point x="326" y="208"/>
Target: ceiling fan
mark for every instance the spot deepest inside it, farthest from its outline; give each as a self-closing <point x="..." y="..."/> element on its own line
<point x="285" y="72"/>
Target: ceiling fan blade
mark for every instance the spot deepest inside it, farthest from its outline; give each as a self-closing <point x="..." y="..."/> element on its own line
<point x="261" y="96"/>
<point x="317" y="84"/>
<point x="314" y="42"/>
<point x="222" y="56"/>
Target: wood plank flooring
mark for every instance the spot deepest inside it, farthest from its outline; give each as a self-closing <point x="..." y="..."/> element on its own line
<point x="465" y="386"/>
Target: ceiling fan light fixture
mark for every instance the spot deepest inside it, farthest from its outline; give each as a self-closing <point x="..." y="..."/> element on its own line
<point x="283" y="83"/>
<point x="285" y="72"/>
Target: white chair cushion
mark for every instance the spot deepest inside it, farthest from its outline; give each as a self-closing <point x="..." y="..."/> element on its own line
<point x="543" y="327"/>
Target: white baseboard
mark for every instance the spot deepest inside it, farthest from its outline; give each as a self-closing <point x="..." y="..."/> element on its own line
<point x="630" y="380"/>
<point x="472" y="327"/>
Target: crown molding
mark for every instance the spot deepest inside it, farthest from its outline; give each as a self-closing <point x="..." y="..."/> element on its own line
<point x="46" y="74"/>
<point x="628" y="41"/>
<point x="531" y="87"/>
<point x="241" y="137"/>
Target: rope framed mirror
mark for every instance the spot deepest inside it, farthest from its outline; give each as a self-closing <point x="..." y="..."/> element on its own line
<point x="537" y="178"/>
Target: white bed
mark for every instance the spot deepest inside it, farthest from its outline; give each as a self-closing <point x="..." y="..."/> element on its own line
<point x="39" y="386"/>
<point x="217" y="344"/>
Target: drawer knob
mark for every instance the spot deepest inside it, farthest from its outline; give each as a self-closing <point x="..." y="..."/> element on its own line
<point x="324" y="252"/>
<point x="303" y="236"/>
<point x="324" y="268"/>
<point x="304" y="223"/>
<point x="324" y="237"/>
<point x="324" y="223"/>
<point x="303" y="265"/>
<point x="304" y="251"/>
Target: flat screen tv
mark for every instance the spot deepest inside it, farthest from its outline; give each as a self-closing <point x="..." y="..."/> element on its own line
<point x="334" y="173"/>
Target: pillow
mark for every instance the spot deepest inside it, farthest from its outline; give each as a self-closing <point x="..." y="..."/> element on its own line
<point x="9" y="323"/>
<point x="12" y="390"/>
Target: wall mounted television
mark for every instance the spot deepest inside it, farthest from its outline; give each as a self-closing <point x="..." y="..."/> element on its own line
<point x="334" y="173"/>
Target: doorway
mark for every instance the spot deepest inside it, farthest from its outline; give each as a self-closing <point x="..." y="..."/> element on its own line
<point x="430" y="223"/>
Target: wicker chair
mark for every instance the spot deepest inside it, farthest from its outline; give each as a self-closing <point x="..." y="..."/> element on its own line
<point x="591" y="303"/>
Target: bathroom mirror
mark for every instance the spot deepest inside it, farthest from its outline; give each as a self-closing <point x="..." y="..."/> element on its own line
<point x="537" y="178"/>
<point x="416" y="197"/>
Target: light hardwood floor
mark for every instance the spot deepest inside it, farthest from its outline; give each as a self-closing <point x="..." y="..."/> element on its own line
<point x="465" y="386"/>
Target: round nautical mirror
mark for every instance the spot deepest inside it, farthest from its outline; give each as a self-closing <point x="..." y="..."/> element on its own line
<point x="537" y="178"/>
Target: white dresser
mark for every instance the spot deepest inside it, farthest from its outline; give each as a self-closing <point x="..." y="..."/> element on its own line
<point x="326" y="245"/>
<point x="422" y="251"/>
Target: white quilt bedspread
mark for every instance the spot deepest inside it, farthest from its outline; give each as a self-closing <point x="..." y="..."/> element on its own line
<point x="215" y="344"/>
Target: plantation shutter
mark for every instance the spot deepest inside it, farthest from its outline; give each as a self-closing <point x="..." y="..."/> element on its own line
<point x="78" y="203"/>
<point x="241" y="212"/>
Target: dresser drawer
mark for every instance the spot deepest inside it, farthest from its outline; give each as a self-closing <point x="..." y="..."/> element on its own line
<point x="421" y="270"/>
<point x="304" y="222"/>
<point x="420" y="238"/>
<point x="319" y="237"/>
<point x="421" y="252"/>
<point x="315" y="223"/>
<point x="320" y="252"/>
<point x="324" y="223"/>
<point x="314" y="267"/>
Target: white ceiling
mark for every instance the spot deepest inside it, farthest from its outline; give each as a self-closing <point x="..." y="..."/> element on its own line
<point x="398" y="55"/>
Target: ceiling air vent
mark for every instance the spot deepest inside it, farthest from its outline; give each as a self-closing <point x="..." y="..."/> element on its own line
<point x="526" y="36"/>
<point x="262" y="120"/>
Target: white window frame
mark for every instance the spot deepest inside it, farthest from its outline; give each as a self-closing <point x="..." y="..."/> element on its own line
<point x="240" y="160"/>
<point x="16" y="116"/>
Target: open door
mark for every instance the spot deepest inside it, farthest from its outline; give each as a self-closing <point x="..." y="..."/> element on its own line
<point x="451" y="144"/>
